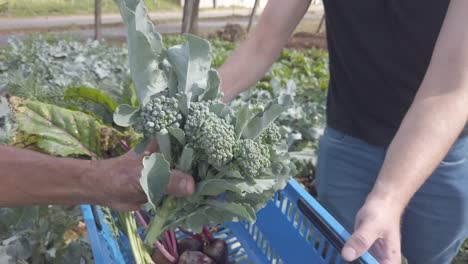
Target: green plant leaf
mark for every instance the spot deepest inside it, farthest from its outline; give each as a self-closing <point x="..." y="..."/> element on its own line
<point x="126" y="115"/>
<point x="191" y="62"/>
<point x="63" y="132"/>
<point x="91" y="95"/>
<point x="164" y="142"/>
<point x="214" y="187"/>
<point x="144" y="48"/>
<point x="212" y="89"/>
<point x="243" y="211"/>
<point x="259" y="123"/>
<point x="243" y="117"/>
<point x="178" y="134"/>
<point x="155" y="177"/>
<point x="185" y="160"/>
<point x="184" y="103"/>
<point x="220" y="109"/>
<point x="142" y="145"/>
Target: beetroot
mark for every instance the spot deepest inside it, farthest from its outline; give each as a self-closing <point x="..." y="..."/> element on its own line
<point x="195" y="257"/>
<point x="189" y="244"/>
<point x="217" y="249"/>
<point x="159" y="258"/>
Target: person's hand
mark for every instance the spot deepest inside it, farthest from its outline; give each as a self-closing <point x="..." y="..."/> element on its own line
<point x="377" y="230"/>
<point x="120" y="181"/>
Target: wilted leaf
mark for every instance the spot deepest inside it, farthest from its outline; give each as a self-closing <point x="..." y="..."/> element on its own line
<point x="62" y="132"/>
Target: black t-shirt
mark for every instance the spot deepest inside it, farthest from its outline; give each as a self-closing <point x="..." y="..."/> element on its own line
<point x="379" y="52"/>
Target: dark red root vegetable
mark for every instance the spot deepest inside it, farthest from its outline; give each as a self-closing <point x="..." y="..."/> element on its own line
<point x="159" y="258"/>
<point x="189" y="244"/>
<point x="217" y="250"/>
<point x="195" y="257"/>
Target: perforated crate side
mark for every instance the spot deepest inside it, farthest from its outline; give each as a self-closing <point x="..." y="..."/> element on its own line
<point x="283" y="234"/>
<point x="105" y="247"/>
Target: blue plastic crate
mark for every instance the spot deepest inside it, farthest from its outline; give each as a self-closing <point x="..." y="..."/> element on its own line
<point x="293" y="228"/>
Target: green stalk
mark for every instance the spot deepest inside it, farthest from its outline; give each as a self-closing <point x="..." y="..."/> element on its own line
<point x="140" y="253"/>
<point x="157" y="225"/>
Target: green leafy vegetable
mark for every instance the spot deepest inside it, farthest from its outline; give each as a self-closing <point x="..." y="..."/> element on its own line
<point x="91" y="95"/>
<point x="239" y="156"/>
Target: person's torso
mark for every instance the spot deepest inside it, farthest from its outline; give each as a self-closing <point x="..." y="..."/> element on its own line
<point x="379" y="52"/>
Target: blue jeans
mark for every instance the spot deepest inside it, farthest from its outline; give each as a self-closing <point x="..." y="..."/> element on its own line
<point x="435" y="223"/>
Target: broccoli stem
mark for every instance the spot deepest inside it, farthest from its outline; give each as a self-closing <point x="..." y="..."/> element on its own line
<point x="140" y="253"/>
<point x="157" y="224"/>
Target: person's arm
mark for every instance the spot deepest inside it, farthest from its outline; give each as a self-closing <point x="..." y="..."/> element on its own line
<point x="252" y="59"/>
<point x="433" y="123"/>
<point x="31" y="178"/>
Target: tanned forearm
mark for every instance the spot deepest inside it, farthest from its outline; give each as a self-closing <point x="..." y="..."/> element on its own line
<point x="258" y="52"/>
<point x="435" y="119"/>
<point x="31" y="178"/>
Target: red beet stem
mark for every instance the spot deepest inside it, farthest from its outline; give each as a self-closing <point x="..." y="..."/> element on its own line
<point x="174" y="243"/>
<point x="141" y="219"/>
<point x="192" y="235"/>
<point x="164" y="252"/>
<point x="124" y="145"/>
<point x="207" y="233"/>
<point x="168" y="243"/>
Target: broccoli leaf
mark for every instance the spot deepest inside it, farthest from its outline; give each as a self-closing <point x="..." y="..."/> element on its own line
<point x="243" y="117"/>
<point x="142" y="145"/>
<point x="220" y="109"/>
<point x="178" y="134"/>
<point x="212" y="89"/>
<point x="258" y="124"/>
<point x="155" y="177"/>
<point x="214" y="187"/>
<point x="244" y="211"/>
<point x="186" y="159"/>
<point x="164" y="143"/>
<point x="126" y="115"/>
<point x="144" y="48"/>
<point x="191" y="62"/>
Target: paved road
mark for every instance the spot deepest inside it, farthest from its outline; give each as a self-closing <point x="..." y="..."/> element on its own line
<point x="119" y="31"/>
<point x="86" y="20"/>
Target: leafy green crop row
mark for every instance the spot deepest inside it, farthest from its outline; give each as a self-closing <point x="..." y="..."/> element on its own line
<point x="47" y="71"/>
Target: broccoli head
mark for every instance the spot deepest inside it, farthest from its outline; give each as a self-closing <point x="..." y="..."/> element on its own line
<point x="271" y="135"/>
<point x="211" y="136"/>
<point x="160" y="113"/>
<point x="252" y="157"/>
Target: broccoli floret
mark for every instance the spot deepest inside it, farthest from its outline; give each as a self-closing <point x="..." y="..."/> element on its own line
<point x="160" y="113"/>
<point x="211" y="136"/>
<point x="197" y="114"/>
<point x="251" y="157"/>
<point x="271" y="135"/>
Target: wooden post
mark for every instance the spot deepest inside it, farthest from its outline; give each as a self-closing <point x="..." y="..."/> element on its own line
<point x="194" y="17"/>
<point x="186" y="17"/>
<point x="97" y="19"/>
<point x="190" y="17"/>
<point x="321" y="24"/>
<point x="252" y="15"/>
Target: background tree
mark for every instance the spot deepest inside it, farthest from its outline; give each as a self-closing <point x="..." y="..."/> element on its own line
<point x="190" y="17"/>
